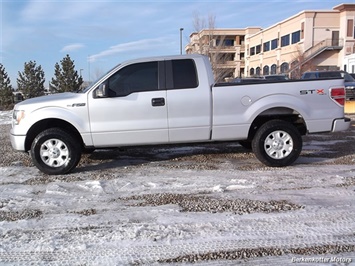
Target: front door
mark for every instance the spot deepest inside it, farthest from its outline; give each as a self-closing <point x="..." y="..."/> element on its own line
<point x="335" y="38"/>
<point x="133" y="111"/>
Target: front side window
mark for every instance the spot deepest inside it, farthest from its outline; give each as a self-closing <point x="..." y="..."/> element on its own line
<point x="133" y="78"/>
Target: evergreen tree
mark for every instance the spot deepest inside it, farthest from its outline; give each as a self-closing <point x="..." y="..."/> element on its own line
<point x="66" y="77"/>
<point x="31" y="80"/>
<point x="6" y="96"/>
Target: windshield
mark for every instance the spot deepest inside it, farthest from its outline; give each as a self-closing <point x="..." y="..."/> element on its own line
<point x="94" y="82"/>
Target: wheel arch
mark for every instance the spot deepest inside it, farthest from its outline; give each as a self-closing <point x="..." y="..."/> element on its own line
<point x="51" y="123"/>
<point x="282" y="113"/>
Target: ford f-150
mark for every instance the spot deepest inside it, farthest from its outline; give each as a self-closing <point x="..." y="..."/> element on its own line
<point x="174" y="99"/>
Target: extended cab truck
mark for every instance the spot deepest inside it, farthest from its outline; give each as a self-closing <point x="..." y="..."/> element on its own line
<point x="174" y="99"/>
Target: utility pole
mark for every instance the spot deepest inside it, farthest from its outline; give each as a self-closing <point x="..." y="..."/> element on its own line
<point x="181" y="29"/>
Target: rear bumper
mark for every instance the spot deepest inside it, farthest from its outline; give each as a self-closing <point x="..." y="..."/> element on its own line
<point x="341" y="124"/>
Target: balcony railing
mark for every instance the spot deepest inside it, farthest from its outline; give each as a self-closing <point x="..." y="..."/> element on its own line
<point x="327" y="44"/>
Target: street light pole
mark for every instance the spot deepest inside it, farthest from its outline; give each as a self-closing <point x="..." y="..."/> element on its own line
<point x="181" y="29"/>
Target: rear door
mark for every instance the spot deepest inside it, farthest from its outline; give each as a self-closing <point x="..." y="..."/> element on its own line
<point x="189" y="101"/>
<point x="134" y="111"/>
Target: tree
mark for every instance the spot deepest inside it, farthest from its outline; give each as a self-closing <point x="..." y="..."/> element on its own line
<point x="31" y="80"/>
<point x="211" y="43"/>
<point x="6" y="96"/>
<point x="66" y="77"/>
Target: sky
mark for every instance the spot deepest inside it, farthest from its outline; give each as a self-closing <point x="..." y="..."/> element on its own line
<point x="98" y="35"/>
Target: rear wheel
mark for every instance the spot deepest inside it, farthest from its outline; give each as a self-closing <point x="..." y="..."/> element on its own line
<point x="55" y="152"/>
<point x="277" y="143"/>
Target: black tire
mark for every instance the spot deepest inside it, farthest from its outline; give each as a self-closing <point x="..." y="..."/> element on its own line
<point x="55" y="152"/>
<point x="277" y="143"/>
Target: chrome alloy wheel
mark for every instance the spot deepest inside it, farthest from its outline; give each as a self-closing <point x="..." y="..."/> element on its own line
<point x="278" y="144"/>
<point x="54" y="153"/>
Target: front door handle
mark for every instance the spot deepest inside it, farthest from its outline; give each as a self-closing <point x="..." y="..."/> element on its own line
<point x="158" y="102"/>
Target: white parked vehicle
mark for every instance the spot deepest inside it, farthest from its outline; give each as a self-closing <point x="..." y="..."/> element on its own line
<point x="174" y="99"/>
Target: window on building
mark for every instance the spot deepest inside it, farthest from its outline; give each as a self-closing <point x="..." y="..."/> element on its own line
<point x="225" y="42"/>
<point x="266" y="70"/>
<point x="257" y="71"/>
<point x="284" y="67"/>
<point x="350" y="28"/>
<point x="252" y="72"/>
<point x="252" y="51"/>
<point x="285" y="40"/>
<point x="273" y="69"/>
<point x="266" y="46"/>
<point x="274" y="44"/>
<point x="296" y="37"/>
<point x="258" y="49"/>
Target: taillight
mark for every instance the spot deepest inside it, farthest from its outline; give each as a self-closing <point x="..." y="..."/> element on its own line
<point x="338" y="95"/>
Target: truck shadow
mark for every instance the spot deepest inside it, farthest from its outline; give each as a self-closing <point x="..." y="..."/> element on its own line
<point x="335" y="148"/>
<point x="208" y="155"/>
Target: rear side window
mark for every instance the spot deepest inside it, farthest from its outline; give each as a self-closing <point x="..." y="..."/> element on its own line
<point x="184" y="74"/>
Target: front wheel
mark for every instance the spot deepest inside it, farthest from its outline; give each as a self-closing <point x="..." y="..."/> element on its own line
<point x="277" y="143"/>
<point x="55" y="152"/>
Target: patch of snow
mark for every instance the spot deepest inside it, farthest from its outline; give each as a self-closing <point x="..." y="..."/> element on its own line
<point x="5" y="117"/>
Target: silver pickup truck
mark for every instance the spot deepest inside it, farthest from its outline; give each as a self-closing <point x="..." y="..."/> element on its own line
<point x="174" y="99"/>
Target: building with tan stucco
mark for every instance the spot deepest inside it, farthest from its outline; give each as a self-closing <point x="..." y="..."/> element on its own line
<point x="309" y="40"/>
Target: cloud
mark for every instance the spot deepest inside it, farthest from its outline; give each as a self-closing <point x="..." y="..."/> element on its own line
<point x="139" y="45"/>
<point x="72" y="47"/>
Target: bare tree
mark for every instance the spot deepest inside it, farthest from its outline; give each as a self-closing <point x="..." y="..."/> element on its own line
<point x="300" y="64"/>
<point x="211" y="42"/>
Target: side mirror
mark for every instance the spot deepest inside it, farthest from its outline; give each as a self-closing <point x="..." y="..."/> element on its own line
<point x="101" y="91"/>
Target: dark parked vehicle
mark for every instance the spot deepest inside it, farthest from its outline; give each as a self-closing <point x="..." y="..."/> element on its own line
<point x="276" y="77"/>
<point x="349" y="80"/>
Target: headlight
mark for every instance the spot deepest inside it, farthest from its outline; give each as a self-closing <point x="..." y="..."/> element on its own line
<point x="349" y="87"/>
<point x="17" y="116"/>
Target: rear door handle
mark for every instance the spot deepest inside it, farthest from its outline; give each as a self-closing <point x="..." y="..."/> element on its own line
<point x="158" y="102"/>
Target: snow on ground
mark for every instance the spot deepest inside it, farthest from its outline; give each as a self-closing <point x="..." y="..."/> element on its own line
<point x="5" y="117"/>
<point x="111" y="213"/>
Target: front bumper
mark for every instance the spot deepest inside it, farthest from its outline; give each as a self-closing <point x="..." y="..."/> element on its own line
<point x="17" y="142"/>
<point x="341" y="124"/>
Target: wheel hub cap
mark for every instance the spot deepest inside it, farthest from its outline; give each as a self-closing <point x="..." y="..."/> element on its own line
<point x="278" y="144"/>
<point x="54" y="153"/>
